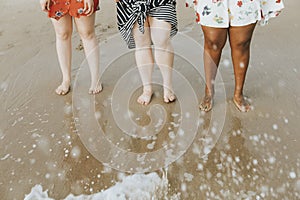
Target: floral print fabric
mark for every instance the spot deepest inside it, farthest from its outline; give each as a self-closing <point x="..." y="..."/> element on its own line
<point x="225" y="13"/>
<point x="59" y="8"/>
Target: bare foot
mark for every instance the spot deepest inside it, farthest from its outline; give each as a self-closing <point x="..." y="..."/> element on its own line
<point x="95" y="88"/>
<point x="169" y="95"/>
<point x="206" y="103"/>
<point x="241" y="103"/>
<point x="63" y="88"/>
<point x="145" y="98"/>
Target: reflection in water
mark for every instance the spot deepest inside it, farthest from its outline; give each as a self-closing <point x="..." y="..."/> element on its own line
<point x="234" y="169"/>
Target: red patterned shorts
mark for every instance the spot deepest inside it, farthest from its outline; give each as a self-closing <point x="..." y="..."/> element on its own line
<point x="59" y="8"/>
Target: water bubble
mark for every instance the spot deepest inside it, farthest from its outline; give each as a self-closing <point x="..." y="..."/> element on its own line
<point x="272" y="160"/>
<point x="226" y="62"/>
<point x="44" y="144"/>
<point x="188" y="177"/>
<point x="5" y="157"/>
<point x="275" y="126"/>
<point x="200" y="121"/>
<point x="187" y="115"/>
<point x="75" y="152"/>
<point x="255" y="162"/>
<point x="293" y="175"/>
<point x="4" y="86"/>
<point x="151" y="145"/>
<point x="172" y="134"/>
<point x="32" y="161"/>
<point x="183" y="187"/>
<point x="200" y="166"/>
<point x="214" y="130"/>
<point x="242" y="65"/>
<point x="206" y="150"/>
<point x="255" y="138"/>
<point x="47" y="176"/>
<point x="68" y="109"/>
<point x="98" y="115"/>
<point x="180" y="132"/>
<point x="295" y="70"/>
<point x="215" y="47"/>
<point x="174" y="114"/>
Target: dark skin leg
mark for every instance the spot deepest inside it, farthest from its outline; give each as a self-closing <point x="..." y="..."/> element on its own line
<point x="214" y="41"/>
<point x="240" y="39"/>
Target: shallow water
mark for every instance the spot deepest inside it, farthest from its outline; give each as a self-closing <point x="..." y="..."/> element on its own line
<point x="65" y="145"/>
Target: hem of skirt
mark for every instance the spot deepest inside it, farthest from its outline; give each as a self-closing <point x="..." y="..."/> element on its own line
<point x="259" y="20"/>
<point x="265" y="20"/>
<point x="77" y="16"/>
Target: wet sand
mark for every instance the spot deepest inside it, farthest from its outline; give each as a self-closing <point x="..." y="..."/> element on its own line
<point x="233" y="155"/>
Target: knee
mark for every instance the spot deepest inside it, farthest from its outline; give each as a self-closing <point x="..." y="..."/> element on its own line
<point x="161" y="42"/>
<point x="87" y="34"/>
<point x="241" y="45"/>
<point x="214" y="45"/>
<point x="142" y="42"/>
<point x="64" y="35"/>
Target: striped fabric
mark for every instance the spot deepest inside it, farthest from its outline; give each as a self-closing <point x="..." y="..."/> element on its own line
<point x="131" y="11"/>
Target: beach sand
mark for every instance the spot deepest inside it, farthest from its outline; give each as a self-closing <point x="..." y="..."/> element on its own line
<point x="52" y="141"/>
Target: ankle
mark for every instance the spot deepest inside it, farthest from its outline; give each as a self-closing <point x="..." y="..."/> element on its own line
<point x="66" y="81"/>
<point x="238" y="95"/>
<point x="147" y="89"/>
<point x="209" y="91"/>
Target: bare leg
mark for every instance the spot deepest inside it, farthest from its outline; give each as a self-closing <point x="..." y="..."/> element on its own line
<point x="144" y="60"/>
<point x="164" y="56"/>
<point x="63" y="31"/>
<point x="86" y="30"/>
<point x="240" y="39"/>
<point x="214" y="41"/>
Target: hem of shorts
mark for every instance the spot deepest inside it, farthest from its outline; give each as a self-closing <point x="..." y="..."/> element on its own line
<point x="228" y="25"/>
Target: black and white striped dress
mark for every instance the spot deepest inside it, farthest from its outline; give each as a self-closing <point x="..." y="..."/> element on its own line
<point x="131" y="11"/>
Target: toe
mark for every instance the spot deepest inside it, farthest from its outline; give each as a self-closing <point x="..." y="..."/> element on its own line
<point x="169" y="98"/>
<point x="166" y="100"/>
<point x="206" y="103"/>
<point x="95" y="90"/>
<point x="172" y="98"/>
<point x="140" y="101"/>
<point x="59" y="91"/>
<point x="242" y="105"/>
<point x="145" y="98"/>
<point x="62" y="89"/>
<point x="201" y="107"/>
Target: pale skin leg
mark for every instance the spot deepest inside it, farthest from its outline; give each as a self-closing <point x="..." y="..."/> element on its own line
<point x="214" y="41"/>
<point x="86" y="28"/>
<point x="63" y="31"/>
<point x="164" y="56"/>
<point x="240" y="39"/>
<point x="144" y="60"/>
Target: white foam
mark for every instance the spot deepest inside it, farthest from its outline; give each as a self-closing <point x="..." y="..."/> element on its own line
<point x="134" y="187"/>
<point x="37" y="194"/>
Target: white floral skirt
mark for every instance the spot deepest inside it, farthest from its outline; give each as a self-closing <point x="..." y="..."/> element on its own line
<point x="225" y="13"/>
